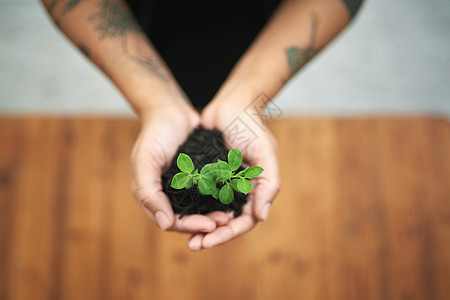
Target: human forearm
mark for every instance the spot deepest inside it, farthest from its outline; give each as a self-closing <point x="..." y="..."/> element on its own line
<point x="105" y="31"/>
<point x="297" y="31"/>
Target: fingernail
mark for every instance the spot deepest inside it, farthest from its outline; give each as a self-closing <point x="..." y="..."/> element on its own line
<point x="162" y="220"/>
<point x="195" y="245"/>
<point x="265" y="211"/>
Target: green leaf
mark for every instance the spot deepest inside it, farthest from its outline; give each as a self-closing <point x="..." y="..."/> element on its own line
<point x="206" y="185"/>
<point x="223" y="174"/>
<point x="190" y="183"/>
<point x="253" y="172"/>
<point x="215" y="193"/>
<point x="234" y="159"/>
<point x="244" y="186"/>
<point x="226" y="194"/>
<point x="242" y="173"/>
<point x="208" y="171"/>
<point x="222" y="170"/>
<point x="221" y="165"/>
<point x="206" y="168"/>
<point x="180" y="180"/>
<point x="184" y="163"/>
<point x="211" y="175"/>
<point x="233" y="184"/>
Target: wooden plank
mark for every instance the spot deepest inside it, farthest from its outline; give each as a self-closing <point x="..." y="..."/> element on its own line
<point x="363" y="213"/>
<point x="9" y="138"/>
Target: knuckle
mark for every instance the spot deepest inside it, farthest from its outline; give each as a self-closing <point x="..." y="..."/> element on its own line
<point x="275" y="145"/>
<point x="143" y="197"/>
<point x="136" y="156"/>
<point x="135" y="152"/>
<point x="277" y="188"/>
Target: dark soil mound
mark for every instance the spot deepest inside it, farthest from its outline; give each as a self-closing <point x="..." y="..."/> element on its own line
<point x="203" y="146"/>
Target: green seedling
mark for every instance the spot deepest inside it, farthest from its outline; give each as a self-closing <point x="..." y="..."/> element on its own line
<point x="217" y="179"/>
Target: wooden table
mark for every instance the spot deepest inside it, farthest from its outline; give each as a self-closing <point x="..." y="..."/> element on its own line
<point x="364" y="213"/>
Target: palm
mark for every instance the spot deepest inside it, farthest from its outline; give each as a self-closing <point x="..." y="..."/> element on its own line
<point x="258" y="148"/>
<point x="154" y="149"/>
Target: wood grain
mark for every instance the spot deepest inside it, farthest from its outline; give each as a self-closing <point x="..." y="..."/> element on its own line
<point x="364" y="213"/>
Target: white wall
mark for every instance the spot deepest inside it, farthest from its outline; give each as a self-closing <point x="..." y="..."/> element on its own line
<point x="394" y="58"/>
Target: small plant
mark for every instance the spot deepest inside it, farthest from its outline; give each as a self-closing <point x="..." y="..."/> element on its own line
<point x="217" y="179"/>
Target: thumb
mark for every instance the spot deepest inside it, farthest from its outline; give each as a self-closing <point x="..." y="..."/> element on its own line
<point x="267" y="185"/>
<point x="156" y="206"/>
<point x="147" y="190"/>
<point x="208" y="116"/>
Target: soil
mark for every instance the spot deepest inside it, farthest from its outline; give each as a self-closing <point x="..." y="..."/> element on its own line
<point x="203" y="146"/>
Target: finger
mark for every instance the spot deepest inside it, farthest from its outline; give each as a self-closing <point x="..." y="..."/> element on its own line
<point x="267" y="185"/>
<point x="193" y="224"/>
<point x="264" y="194"/>
<point x="233" y="229"/>
<point x="221" y="218"/>
<point x="195" y="242"/>
<point x="207" y="117"/>
<point x="157" y="206"/>
<point x="147" y="189"/>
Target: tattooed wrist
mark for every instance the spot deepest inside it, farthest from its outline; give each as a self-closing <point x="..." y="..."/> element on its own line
<point x="68" y="5"/>
<point x="352" y="6"/>
<point x="113" y="20"/>
<point x="83" y="49"/>
<point x="297" y="57"/>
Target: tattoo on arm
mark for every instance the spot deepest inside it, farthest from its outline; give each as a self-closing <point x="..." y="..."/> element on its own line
<point x="52" y="5"/>
<point x="58" y="23"/>
<point x="352" y="6"/>
<point x="113" y="20"/>
<point x="68" y="6"/>
<point x="298" y="57"/>
<point x="85" y="50"/>
<point x="71" y="4"/>
<point x="152" y="65"/>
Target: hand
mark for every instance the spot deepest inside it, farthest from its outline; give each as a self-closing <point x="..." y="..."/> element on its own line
<point x="163" y="130"/>
<point x="261" y="152"/>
